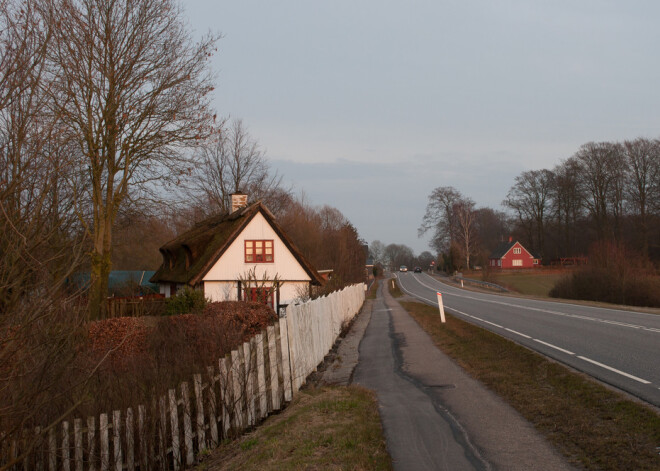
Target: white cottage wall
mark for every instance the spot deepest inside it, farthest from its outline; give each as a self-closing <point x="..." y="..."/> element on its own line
<point x="232" y="266"/>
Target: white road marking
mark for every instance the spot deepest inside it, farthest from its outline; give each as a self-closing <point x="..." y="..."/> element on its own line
<point x="627" y="375"/>
<point x="517" y="333"/>
<point x="547" y="311"/>
<point x="553" y="346"/>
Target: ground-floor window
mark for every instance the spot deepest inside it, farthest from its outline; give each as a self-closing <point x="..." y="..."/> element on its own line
<point x="517" y="263"/>
<point x="259" y="295"/>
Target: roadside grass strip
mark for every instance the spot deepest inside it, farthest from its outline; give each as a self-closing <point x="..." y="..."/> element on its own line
<point x="323" y="428"/>
<point x="593" y="426"/>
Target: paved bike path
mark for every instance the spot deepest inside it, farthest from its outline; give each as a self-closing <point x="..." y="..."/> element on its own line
<point x="434" y="415"/>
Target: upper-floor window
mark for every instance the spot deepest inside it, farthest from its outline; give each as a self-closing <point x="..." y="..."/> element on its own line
<point x="517" y="251"/>
<point x="259" y="251"/>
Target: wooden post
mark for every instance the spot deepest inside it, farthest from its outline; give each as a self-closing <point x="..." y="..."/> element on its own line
<point x="272" y="363"/>
<point x="78" y="444"/>
<point x="213" y="407"/>
<point x="143" y="449"/>
<point x="105" y="444"/>
<point x="91" y="457"/>
<point x="187" y="424"/>
<point x="174" y="421"/>
<point x="199" y="407"/>
<point x="66" y="458"/>
<point x="261" y="376"/>
<point x="286" y="361"/>
<point x="130" y="441"/>
<point x="116" y="440"/>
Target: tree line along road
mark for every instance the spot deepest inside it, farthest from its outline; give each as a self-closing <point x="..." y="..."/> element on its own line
<point x="619" y="348"/>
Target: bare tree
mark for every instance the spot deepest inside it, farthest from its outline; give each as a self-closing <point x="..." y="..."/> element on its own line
<point x="440" y="218"/>
<point x="601" y="174"/>
<point x="530" y="198"/>
<point x="132" y="89"/>
<point x="232" y="161"/>
<point x="466" y="228"/>
<point x="643" y="157"/>
<point x="567" y="204"/>
<point x="377" y="251"/>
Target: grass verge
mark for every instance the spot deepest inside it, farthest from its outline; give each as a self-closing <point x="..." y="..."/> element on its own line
<point x="393" y="286"/>
<point x="589" y="423"/>
<point x="323" y="428"/>
<point x="529" y="283"/>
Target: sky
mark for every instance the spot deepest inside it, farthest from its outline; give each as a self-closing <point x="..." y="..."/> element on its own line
<point x="367" y="106"/>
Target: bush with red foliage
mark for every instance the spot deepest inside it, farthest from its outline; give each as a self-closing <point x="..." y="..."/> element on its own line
<point x="144" y="356"/>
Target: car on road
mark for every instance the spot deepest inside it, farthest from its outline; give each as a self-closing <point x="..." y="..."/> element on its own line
<point x="403" y="268"/>
<point x="417" y="270"/>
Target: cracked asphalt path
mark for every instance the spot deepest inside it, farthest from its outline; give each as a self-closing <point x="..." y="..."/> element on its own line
<point x="434" y="415"/>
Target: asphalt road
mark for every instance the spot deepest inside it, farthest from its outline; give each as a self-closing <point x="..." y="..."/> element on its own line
<point x="620" y="348"/>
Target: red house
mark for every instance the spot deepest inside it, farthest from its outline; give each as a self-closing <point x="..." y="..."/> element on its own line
<point x="512" y="255"/>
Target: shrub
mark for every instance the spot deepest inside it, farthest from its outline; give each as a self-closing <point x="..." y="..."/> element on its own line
<point x="615" y="274"/>
<point x="186" y="301"/>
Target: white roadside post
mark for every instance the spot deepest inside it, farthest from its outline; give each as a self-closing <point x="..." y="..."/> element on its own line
<point x="462" y="284"/>
<point x="441" y="307"/>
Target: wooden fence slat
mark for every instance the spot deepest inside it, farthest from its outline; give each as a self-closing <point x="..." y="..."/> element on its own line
<point x="286" y="361"/>
<point x="249" y="382"/>
<point x="52" y="450"/>
<point x="162" y="432"/>
<point x="39" y="459"/>
<point x="130" y="441"/>
<point x="199" y="408"/>
<point x="225" y="394"/>
<point x="174" y="422"/>
<point x="143" y="448"/>
<point x="78" y="445"/>
<point x="272" y="364"/>
<point x="105" y="444"/>
<point x="118" y="458"/>
<point x="66" y="463"/>
<point x="236" y="382"/>
<point x="280" y="369"/>
<point x="91" y="442"/>
<point x="213" y="407"/>
<point x="261" y="375"/>
<point x="187" y="424"/>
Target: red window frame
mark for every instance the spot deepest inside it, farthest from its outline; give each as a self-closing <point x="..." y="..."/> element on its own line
<point x="253" y="294"/>
<point x="259" y="251"/>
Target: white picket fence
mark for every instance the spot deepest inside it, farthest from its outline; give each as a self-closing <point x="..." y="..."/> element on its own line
<point x="256" y="379"/>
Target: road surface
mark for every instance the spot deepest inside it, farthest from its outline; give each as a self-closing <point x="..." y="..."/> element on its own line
<point x="620" y="348"/>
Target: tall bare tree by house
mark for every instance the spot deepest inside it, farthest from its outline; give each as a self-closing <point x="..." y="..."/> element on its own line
<point x="40" y="244"/>
<point x="232" y="161"/>
<point x="132" y="89"/>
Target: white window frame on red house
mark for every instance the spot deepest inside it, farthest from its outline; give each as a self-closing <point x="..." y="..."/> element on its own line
<point x="517" y="250"/>
<point x="517" y="262"/>
<point x="259" y="251"/>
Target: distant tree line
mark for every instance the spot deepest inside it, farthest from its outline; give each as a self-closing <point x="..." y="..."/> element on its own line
<point x="604" y="192"/>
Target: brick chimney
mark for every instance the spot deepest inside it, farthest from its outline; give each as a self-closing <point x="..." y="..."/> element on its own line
<point x="238" y="201"/>
<point x="510" y="237"/>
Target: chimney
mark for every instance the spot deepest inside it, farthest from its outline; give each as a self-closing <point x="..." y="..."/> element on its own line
<point x="510" y="239"/>
<point x="238" y="201"/>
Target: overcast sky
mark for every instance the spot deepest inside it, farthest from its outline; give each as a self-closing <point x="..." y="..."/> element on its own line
<point x="369" y="105"/>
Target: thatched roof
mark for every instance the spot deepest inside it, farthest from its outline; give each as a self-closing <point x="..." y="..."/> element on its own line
<point x="189" y="257"/>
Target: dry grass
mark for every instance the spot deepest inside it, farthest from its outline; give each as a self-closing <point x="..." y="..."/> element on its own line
<point x="325" y="428"/>
<point x="589" y="423"/>
<point x="530" y="283"/>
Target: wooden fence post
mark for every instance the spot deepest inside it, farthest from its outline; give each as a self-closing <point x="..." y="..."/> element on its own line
<point x="105" y="445"/>
<point x="130" y="440"/>
<point x="187" y="424"/>
<point x="213" y="407"/>
<point x="199" y="408"/>
<point x="174" y="422"/>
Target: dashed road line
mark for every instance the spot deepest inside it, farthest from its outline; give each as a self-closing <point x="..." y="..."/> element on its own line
<point x="517" y="333"/>
<point x="553" y="346"/>
<point x="623" y="373"/>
